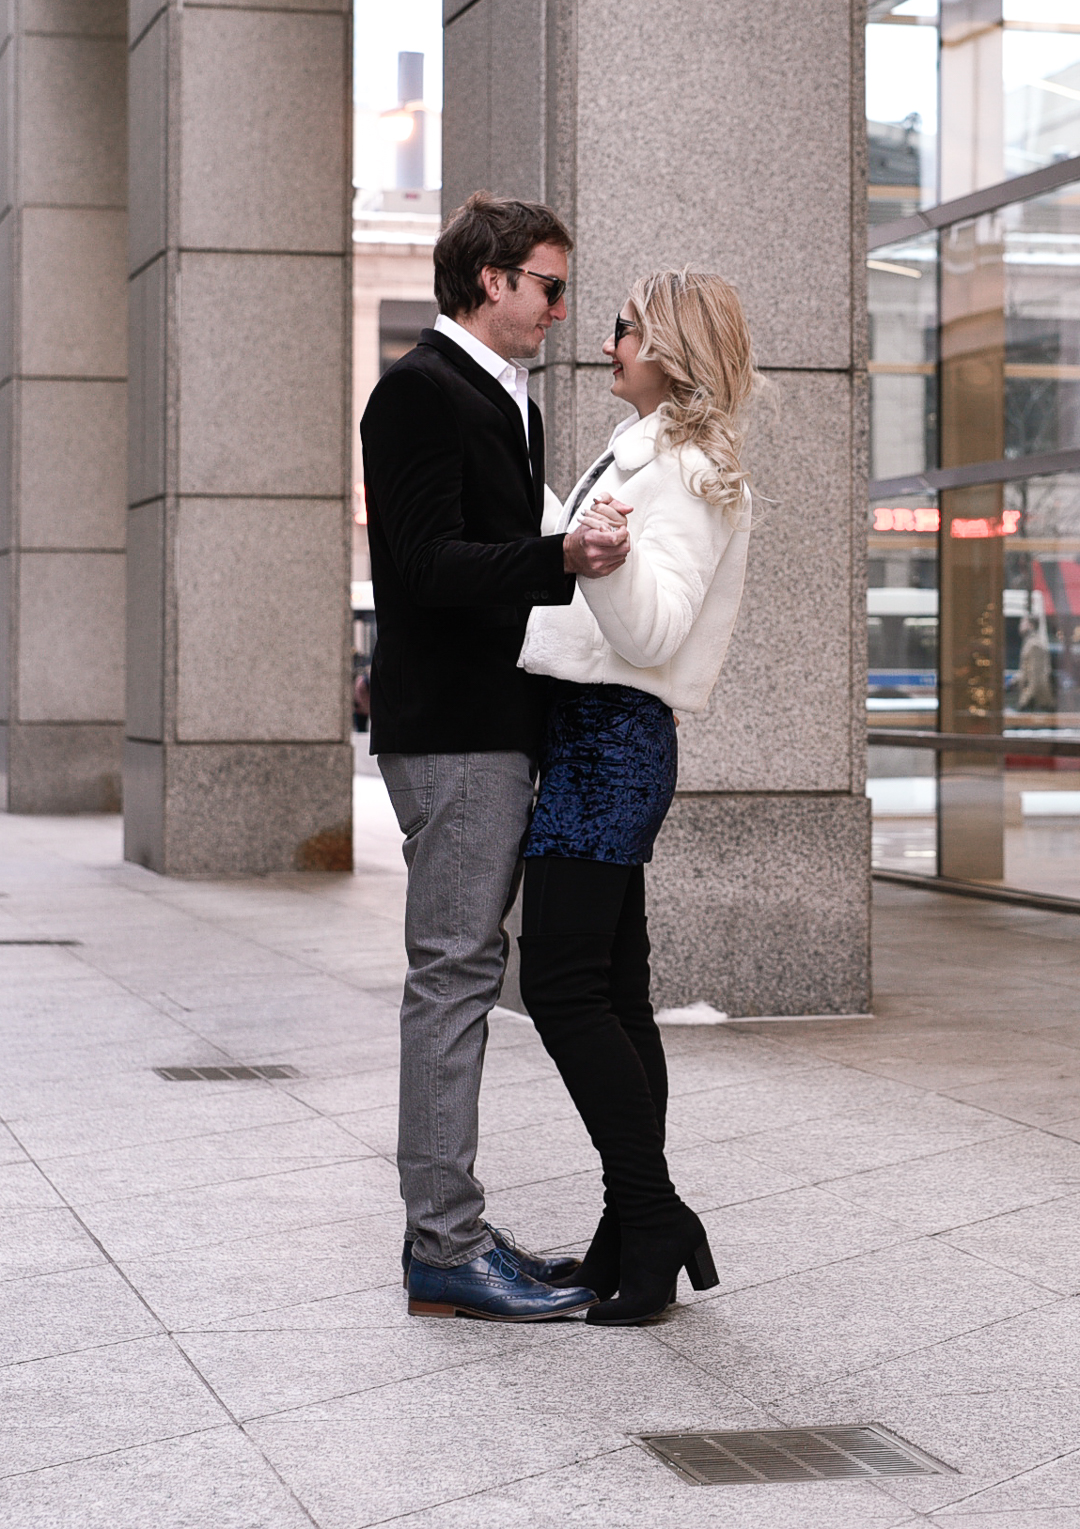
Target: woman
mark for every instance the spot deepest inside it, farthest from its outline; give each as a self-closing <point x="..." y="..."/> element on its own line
<point x="631" y="647"/>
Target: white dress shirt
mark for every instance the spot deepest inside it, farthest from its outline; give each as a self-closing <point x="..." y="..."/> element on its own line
<point x="514" y="378"/>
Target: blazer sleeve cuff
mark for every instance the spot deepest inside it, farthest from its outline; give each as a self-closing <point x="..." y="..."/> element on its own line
<point x="553" y="585"/>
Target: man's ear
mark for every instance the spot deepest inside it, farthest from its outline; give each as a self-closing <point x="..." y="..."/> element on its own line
<point x="494" y="280"/>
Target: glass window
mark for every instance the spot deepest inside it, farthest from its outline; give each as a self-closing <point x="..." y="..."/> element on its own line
<point x="1010" y="90"/>
<point x="1041" y="526"/>
<point x="1041" y="81"/>
<point x="901" y="106"/>
<point x="1010" y="295"/>
<point x="902" y="284"/>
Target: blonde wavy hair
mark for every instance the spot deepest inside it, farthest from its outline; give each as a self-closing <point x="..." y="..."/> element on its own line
<point x="693" y="324"/>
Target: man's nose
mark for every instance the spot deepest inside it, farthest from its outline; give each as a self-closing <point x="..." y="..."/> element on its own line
<point x="558" y="310"/>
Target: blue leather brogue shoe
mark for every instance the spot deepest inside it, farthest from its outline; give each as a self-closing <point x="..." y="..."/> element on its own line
<point x="546" y="1270"/>
<point x="492" y="1285"/>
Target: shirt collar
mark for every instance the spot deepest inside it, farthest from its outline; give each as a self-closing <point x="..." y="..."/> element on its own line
<point x="495" y="365"/>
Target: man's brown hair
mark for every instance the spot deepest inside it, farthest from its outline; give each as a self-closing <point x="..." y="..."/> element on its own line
<point x="489" y="230"/>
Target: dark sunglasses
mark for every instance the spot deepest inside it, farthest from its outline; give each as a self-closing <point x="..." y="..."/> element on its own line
<point x="622" y="326"/>
<point x="554" y="285"/>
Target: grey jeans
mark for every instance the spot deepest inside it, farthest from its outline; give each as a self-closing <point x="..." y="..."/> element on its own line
<point x="464" y="817"/>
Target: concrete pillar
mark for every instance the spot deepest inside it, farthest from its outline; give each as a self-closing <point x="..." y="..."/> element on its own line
<point x="731" y="135"/>
<point x="237" y="758"/>
<point x="63" y="364"/>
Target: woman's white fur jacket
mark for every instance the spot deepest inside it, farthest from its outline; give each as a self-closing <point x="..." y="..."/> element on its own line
<point x="663" y="621"/>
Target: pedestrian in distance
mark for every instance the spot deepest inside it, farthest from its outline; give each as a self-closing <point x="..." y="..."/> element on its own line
<point x="454" y="477"/>
<point x="625" y="653"/>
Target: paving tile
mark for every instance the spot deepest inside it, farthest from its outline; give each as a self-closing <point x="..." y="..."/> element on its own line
<point x="818" y="1091"/>
<point x="356" y="1091"/>
<point x="625" y="1489"/>
<point x="210" y="1480"/>
<point x="162" y="1114"/>
<point x="377" y="1129"/>
<point x="967" y="1184"/>
<point x="23" y="1186"/>
<point x="42" y="1242"/>
<point x="555" y="1214"/>
<point x="1036" y="1096"/>
<point x="192" y="1218"/>
<point x="78" y="1405"/>
<point x="945" y="1058"/>
<point x="779" y="1338"/>
<point x="861" y="1139"/>
<point x="524" y="1104"/>
<point x="203" y="1160"/>
<point x="1022" y="1518"/>
<point x="1054" y="1486"/>
<point x="1040" y="1243"/>
<point x="416" y="1443"/>
<point x="296" y="1355"/>
<point x="265" y="1273"/>
<point x="994" y="1401"/>
<point x="59" y="1313"/>
<point x="767" y="1238"/>
<point x="10" y="1150"/>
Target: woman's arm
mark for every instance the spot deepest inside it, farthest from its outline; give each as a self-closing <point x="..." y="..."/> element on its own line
<point x="646" y="609"/>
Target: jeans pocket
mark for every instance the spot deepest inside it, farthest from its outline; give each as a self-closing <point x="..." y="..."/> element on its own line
<point x="412" y="808"/>
<point x="410" y="783"/>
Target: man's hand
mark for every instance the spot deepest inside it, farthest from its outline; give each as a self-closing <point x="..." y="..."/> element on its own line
<point x="600" y="543"/>
<point x="593" y="553"/>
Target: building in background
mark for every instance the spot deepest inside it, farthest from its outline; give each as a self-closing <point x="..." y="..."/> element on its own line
<point x="397" y="166"/>
<point x="974" y="530"/>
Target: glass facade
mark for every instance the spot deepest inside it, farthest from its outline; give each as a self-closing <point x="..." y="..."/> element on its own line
<point x="974" y="518"/>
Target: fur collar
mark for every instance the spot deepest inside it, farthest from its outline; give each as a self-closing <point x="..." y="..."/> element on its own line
<point x="633" y="442"/>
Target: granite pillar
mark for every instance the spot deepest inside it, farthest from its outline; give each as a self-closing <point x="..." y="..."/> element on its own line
<point x="731" y="136"/>
<point x="237" y="758"/>
<point x="63" y="365"/>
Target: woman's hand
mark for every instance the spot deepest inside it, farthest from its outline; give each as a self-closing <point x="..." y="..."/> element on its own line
<point x="605" y="512"/>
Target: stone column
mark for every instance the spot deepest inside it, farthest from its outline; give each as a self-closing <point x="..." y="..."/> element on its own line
<point x="730" y="135"/>
<point x="63" y="364"/>
<point x="238" y="758"/>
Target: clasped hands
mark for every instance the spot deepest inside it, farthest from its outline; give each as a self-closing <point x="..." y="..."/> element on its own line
<point x="600" y="542"/>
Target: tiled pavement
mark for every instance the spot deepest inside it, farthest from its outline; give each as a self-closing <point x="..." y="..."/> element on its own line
<point x="201" y="1320"/>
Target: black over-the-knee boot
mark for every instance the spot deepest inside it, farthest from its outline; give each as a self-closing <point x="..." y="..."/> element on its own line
<point x="565" y="983"/>
<point x="629" y="989"/>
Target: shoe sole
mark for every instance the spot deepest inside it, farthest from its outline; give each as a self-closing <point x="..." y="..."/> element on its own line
<point x="434" y="1309"/>
<point x="628" y="1321"/>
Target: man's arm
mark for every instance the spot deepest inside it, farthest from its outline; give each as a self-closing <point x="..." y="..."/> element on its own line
<point x="413" y="458"/>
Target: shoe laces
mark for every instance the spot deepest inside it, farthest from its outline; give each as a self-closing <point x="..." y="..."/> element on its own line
<point x="508" y="1240"/>
<point x="504" y="1264"/>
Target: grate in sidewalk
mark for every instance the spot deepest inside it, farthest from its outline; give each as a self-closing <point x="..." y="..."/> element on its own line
<point x="225" y="1074"/>
<point x="790" y="1454"/>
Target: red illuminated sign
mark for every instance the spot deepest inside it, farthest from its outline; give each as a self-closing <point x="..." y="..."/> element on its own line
<point x="907" y="520"/>
<point x="1008" y="525"/>
<point x="929" y="520"/>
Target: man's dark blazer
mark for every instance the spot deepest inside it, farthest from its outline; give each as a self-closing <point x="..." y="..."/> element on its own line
<point x="457" y="558"/>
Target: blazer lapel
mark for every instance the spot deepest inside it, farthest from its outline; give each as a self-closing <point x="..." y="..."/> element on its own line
<point x="536" y="454"/>
<point x="482" y="381"/>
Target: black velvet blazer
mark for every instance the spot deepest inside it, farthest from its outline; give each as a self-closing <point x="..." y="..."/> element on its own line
<point x="457" y="559"/>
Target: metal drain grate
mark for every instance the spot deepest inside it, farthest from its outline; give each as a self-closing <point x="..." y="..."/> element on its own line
<point x="224" y="1074"/>
<point x="790" y="1454"/>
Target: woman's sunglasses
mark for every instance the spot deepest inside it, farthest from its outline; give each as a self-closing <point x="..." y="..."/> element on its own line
<point x="554" y="285"/>
<point x="622" y="326"/>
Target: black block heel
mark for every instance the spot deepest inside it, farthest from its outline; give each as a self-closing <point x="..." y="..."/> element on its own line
<point x="701" y="1269"/>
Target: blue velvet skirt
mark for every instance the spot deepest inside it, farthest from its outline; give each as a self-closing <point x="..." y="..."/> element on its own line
<point x="608" y="764"/>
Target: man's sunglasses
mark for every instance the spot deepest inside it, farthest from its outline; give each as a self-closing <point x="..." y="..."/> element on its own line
<point x="622" y="326"/>
<point x="554" y="285"/>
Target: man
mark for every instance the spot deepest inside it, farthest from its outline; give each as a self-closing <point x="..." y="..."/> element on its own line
<point x="454" y="472"/>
